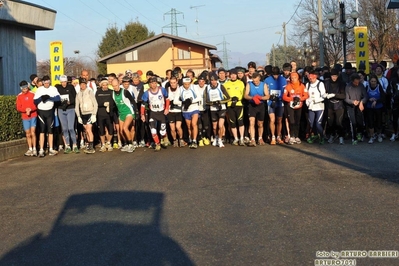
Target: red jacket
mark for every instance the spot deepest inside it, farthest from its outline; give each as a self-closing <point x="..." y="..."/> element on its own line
<point x="24" y="101"/>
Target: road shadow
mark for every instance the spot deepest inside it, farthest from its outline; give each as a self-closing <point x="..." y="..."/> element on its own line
<point x="105" y="228"/>
<point x="379" y="165"/>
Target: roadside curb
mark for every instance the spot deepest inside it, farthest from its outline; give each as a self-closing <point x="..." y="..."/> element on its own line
<point x="12" y="149"/>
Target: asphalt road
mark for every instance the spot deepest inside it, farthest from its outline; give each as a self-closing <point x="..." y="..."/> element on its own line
<point x="270" y="205"/>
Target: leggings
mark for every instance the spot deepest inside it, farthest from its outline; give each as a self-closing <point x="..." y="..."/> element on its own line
<point x="67" y="120"/>
<point x="316" y="117"/>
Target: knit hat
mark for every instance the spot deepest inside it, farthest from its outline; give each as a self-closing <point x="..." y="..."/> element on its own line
<point x="334" y="72"/>
<point x="23" y="84"/>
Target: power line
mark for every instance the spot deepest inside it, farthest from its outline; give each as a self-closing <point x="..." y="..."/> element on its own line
<point x="141" y="14"/>
<point x="295" y="12"/>
<point x="238" y="32"/>
<point x="108" y="9"/>
<point x="72" y="19"/>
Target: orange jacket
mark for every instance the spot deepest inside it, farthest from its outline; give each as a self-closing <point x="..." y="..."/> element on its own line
<point x="295" y="90"/>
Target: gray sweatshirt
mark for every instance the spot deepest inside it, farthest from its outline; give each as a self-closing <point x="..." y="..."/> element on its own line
<point x="354" y="93"/>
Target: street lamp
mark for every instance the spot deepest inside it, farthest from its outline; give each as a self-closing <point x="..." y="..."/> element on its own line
<point x="343" y="26"/>
<point x="304" y="52"/>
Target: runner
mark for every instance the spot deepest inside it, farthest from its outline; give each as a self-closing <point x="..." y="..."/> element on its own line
<point x="216" y="97"/>
<point x="257" y="93"/>
<point x="235" y="89"/>
<point x="127" y="110"/>
<point x="86" y="111"/>
<point x="26" y="106"/>
<point x="189" y="98"/>
<point x="45" y="97"/>
<point x="156" y="97"/>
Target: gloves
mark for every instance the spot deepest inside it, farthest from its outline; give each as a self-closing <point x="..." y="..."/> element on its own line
<point x="330" y="95"/>
<point x="93" y="119"/>
<point x="234" y="101"/>
<point x="45" y="98"/>
<point x="80" y="121"/>
<point x="106" y="104"/>
<point x="272" y="97"/>
<point x="296" y="101"/>
<point x="64" y="105"/>
<point x="187" y="102"/>
<point x="256" y="99"/>
<point x="217" y="104"/>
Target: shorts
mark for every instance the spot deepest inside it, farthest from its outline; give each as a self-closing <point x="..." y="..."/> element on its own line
<point x="257" y="111"/>
<point x="175" y="117"/>
<point x="216" y="115"/>
<point x="86" y="119"/>
<point x="105" y="122"/>
<point x="122" y="117"/>
<point x="189" y="115"/>
<point x="29" y="123"/>
<point x="157" y="116"/>
<point x="46" y="121"/>
<point x="277" y="111"/>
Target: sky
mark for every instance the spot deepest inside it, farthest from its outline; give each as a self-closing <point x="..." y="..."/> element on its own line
<point x="247" y="26"/>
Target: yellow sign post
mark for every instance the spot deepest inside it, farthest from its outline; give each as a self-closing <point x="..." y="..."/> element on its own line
<point x="362" y="47"/>
<point x="56" y="62"/>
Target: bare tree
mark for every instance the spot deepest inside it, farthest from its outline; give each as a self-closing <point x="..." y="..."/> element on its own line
<point x="72" y="67"/>
<point x="382" y="28"/>
<point x="306" y="29"/>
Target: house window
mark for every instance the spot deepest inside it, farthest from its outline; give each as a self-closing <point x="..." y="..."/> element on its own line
<point x="132" y="56"/>
<point x="183" y="54"/>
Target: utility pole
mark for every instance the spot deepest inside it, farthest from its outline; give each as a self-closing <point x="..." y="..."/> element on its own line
<point x="225" y="57"/>
<point x="173" y="24"/>
<point x="196" y="15"/>
<point x="321" y="40"/>
<point x="285" y="41"/>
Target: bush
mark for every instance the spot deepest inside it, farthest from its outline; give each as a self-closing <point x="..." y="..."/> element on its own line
<point x="10" y="120"/>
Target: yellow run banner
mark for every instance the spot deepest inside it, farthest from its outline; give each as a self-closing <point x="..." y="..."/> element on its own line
<point x="56" y="62"/>
<point x="362" y="47"/>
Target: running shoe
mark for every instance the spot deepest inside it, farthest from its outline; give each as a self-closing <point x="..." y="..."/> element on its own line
<point x="182" y="143"/>
<point x="252" y="143"/>
<point x="130" y="148"/>
<point x="158" y="147"/>
<point x="379" y="139"/>
<point x="201" y="143"/>
<point x="28" y="153"/>
<point x="206" y="141"/>
<point x="261" y="142"/>
<point x="34" y="153"/>
<point x="89" y="150"/>
<point x="279" y="141"/>
<point x="76" y="150"/>
<point x="52" y="152"/>
<point x="298" y="141"/>
<point x="221" y="145"/>
<point x="41" y="153"/>
<point x="67" y="150"/>
<point x="103" y="148"/>
<point x="331" y="139"/>
<point x="241" y="142"/>
<point x="115" y="146"/>
<point x="341" y="141"/>
<point x="235" y="142"/>
<point x="291" y="141"/>
<point x="273" y="141"/>
<point x="321" y="141"/>
<point x="371" y="141"/>
<point x="135" y="145"/>
<point x="125" y="148"/>
<point x="193" y="145"/>
<point x="142" y="144"/>
<point x="215" y="141"/>
<point x="354" y="142"/>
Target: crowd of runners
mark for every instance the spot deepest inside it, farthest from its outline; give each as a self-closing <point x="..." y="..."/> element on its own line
<point x="248" y="106"/>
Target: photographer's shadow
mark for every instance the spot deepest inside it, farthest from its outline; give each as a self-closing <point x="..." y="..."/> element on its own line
<point x="106" y="228"/>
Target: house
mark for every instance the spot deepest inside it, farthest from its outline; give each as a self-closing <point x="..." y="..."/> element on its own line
<point x="19" y="22"/>
<point x="163" y="52"/>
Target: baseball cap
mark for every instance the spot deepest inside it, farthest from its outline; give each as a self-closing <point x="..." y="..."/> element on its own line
<point x="63" y="78"/>
<point x="82" y="80"/>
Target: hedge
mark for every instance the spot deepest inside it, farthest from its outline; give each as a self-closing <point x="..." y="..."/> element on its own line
<point x="10" y="120"/>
